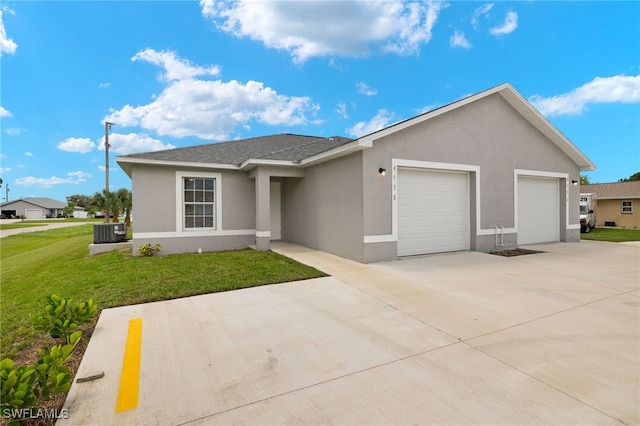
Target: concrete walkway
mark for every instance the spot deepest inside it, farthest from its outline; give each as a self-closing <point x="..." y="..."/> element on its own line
<point x="464" y="338"/>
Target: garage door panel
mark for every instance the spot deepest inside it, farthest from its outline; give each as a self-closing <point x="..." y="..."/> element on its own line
<point x="433" y="211"/>
<point x="538" y="210"/>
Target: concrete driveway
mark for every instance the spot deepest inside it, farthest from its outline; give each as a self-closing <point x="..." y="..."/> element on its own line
<point x="464" y="338"/>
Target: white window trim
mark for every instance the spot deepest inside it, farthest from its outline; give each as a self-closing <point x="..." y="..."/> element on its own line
<point x="630" y="206"/>
<point x="180" y="175"/>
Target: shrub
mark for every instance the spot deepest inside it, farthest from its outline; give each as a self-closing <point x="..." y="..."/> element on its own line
<point x="62" y="317"/>
<point x="22" y="387"/>
<point x="149" y="249"/>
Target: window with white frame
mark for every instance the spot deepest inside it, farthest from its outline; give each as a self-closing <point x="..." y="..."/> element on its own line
<point x="627" y="207"/>
<point x="199" y="198"/>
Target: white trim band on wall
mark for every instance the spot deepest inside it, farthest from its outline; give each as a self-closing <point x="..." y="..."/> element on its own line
<point x="225" y="233"/>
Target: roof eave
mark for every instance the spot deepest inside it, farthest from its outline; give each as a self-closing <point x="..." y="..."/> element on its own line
<point x="519" y="103"/>
<point x="340" y="151"/>
<point x="126" y="164"/>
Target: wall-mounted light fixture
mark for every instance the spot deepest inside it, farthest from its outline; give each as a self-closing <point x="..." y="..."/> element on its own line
<point x="575" y="182"/>
<point x="382" y="171"/>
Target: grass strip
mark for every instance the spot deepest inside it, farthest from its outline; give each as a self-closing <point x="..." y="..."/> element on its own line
<point x="616" y="235"/>
<point x="56" y="261"/>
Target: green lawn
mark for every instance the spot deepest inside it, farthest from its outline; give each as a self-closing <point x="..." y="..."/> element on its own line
<point x="615" y="235"/>
<point x="56" y="261"/>
<point x="41" y="222"/>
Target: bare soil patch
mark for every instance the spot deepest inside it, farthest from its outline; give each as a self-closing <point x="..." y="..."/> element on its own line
<point x="515" y="252"/>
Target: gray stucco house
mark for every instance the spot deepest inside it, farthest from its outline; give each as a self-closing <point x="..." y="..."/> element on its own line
<point x="485" y="173"/>
<point x="33" y="208"/>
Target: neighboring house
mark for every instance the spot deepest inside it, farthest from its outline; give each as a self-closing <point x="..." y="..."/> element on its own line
<point x="33" y="208"/>
<point x="618" y="203"/>
<point x="80" y="212"/>
<point x="485" y="173"/>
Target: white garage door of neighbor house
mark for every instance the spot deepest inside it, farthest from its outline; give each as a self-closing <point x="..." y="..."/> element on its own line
<point x="433" y="211"/>
<point x="538" y="210"/>
<point x="33" y="214"/>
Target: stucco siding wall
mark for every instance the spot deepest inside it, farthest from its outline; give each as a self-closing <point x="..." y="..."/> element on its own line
<point x="488" y="133"/>
<point x="611" y="211"/>
<point x="154" y="199"/>
<point x="154" y="204"/>
<point x="238" y="201"/>
<point x="323" y="210"/>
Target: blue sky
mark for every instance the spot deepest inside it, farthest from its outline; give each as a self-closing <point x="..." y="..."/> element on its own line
<point x="174" y="74"/>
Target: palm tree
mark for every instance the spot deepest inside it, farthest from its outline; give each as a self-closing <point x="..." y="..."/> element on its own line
<point x="106" y="202"/>
<point x="125" y="203"/>
<point x="98" y="202"/>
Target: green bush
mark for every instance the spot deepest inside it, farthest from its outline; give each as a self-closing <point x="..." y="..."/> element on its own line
<point x="149" y="249"/>
<point x="62" y="317"/>
<point x="24" y="386"/>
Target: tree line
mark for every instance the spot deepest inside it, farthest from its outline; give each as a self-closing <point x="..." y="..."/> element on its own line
<point x="118" y="203"/>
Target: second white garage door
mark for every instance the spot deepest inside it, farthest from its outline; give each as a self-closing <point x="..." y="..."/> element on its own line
<point x="433" y="211"/>
<point x="538" y="212"/>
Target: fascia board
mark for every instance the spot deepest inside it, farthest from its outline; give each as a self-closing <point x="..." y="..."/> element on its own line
<point x="251" y="163"/>
<point x="126" y="162"/>
<point x="427" y="116"/>
<point x="335" y="153"/>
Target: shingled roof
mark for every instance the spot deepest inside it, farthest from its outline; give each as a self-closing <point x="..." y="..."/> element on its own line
<point x="615" y="190"/>
<point x="284" y="147"/>
<point x="44" y="202"/>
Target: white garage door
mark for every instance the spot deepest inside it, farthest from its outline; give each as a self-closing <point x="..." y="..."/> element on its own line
<point x="433" y="211"/>
<point x="33" y="214"/>
<point x="538" y="211"/>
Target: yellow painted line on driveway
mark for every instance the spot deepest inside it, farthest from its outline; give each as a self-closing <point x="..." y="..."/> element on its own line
<point x="130" y="377"/>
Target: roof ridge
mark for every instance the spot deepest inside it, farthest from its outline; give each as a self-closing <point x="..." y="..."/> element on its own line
<point x="316" y="140"/>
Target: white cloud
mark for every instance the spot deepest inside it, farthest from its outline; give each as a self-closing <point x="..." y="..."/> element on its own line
<point x="106" y="85"/>
<point x="341" y="110"/>
<point x="309" y="29"/>
<point x="509" y="25"/>
<point x="616" y="89"/>
<point x="132" y="143"/>
<point x="459" y="40"/>
<point x="380" y="121"/>
<point x="174" y="67"/>
<point x="81" y="145"/>
<point x="28" y="154"/>
<point x="365" y="89"/>
<point x="5" y="169"/>
<point x="427" y="108"/>
<point x="5" y="112"/>
<point x="480" y="11"/>
<point x="72" y="178"/>
<point x="210" y="109"/>
<point x="7" y="45"/>
<point x="15" y="130"/>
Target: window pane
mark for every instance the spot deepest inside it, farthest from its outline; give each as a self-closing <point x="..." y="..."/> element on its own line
<point x="198" y="203"/>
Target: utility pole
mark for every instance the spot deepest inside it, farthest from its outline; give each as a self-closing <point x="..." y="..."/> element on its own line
<point x="107" y="127"/>
<point x="6" y="193"/>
